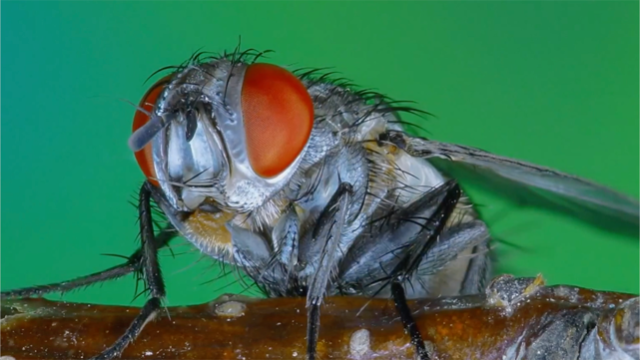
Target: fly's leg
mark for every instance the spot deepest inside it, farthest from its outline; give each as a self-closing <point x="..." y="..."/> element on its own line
<point x="405" y="239"/>
<point x="328" y="230"/>
<point x="152" y="276"/>
<point x="134" y="263"/>
<point x="479" y="270"/>
<point x="407" y="268"/>
<point x="410" y="326"/>
<point x="432" y="230"/>
<point x="313" y="329"/>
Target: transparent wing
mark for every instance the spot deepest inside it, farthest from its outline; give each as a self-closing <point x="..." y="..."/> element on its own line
<point x="510" y="177"/>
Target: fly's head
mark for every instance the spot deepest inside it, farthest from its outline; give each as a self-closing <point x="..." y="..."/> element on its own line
<point x="222" y="134"/>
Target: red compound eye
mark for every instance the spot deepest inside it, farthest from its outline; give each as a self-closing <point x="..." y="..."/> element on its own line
<point x="145" y="155"/>
<point x="278" y="117"/>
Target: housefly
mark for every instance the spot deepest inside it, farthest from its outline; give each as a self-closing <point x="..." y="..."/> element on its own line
<point x="314" y="189"/>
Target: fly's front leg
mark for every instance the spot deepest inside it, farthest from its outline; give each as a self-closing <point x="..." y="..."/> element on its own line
<point x="152" y="276"/>
<point x="133" y="264"/>
<point x="328" y="233"/>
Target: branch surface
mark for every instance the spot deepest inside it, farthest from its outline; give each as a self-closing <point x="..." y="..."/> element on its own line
<point x="515" y="316"/>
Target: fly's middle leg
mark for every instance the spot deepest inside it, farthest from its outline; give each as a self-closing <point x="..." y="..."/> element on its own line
<point x="418" y="252"/>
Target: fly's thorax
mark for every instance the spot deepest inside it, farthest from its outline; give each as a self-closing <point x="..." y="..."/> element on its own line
<point x="230" y="133"/>
<point x="348" y="113"/>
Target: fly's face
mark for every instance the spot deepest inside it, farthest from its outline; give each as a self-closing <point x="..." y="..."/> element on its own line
<point x="222" y="135"/>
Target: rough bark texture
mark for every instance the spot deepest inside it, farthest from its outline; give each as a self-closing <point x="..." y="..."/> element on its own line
<point x="517" y="318"/>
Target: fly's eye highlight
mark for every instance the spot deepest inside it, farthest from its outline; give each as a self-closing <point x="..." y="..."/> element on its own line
<point x="145" y="155"/>
<point x="278" y="117"/>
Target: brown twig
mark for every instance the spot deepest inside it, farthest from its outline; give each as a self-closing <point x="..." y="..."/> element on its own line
<point x="514" y="316"/>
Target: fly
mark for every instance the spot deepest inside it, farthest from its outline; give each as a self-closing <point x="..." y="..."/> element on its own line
<point x="314" y="189"/>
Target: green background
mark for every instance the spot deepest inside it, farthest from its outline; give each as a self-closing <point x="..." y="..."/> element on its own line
<point x="554" y="83"/>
